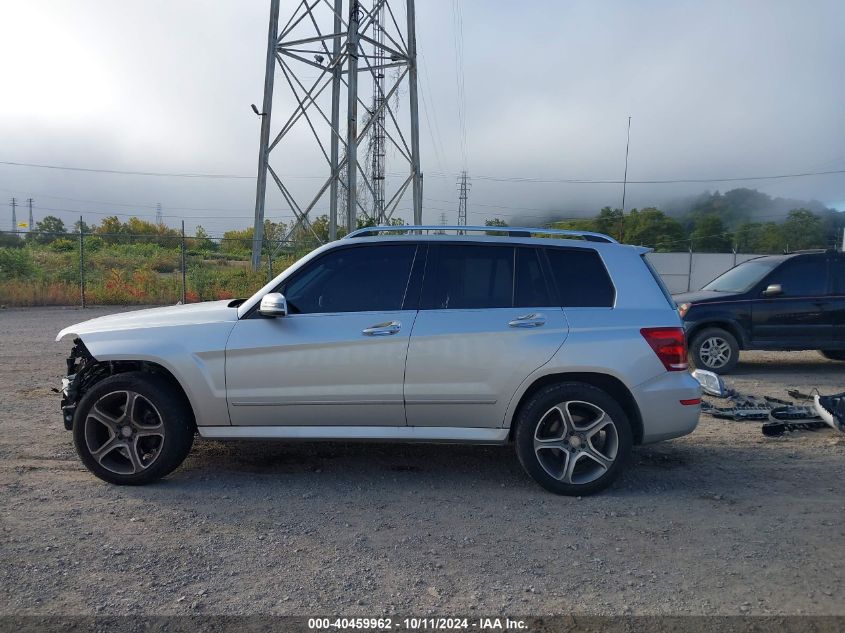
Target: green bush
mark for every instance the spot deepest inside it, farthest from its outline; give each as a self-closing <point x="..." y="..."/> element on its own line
<point x="16" y="263"/>
<point x="63" y="245"/>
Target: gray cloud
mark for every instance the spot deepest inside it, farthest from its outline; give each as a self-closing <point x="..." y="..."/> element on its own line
<point x="715" y="89"/>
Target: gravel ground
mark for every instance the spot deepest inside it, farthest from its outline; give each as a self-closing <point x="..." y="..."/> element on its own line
<point x="724" y="521"/>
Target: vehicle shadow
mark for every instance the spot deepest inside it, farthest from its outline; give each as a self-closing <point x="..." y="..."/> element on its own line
<point x="390" y="471"/>
<point x="808" y="363"/>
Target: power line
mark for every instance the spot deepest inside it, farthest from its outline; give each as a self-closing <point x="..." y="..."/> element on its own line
<point x="452" y="176"/>
<point x="587" y="181"/>
<point x="139" y="173"/>
<point x="458" y="36"/>
<point x="246" y="215"/>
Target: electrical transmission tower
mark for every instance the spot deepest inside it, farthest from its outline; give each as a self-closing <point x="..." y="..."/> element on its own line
<point x="159" y="216"/>
<point x="377" y="136"/>
<point x="31" y="219"/>
<point x="463" y="192"/>
<point x="327" y="53"/>
<point x="14" y="205"/>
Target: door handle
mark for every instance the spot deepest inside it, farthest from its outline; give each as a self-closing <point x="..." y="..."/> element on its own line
<point x="382" y="329"/>
<point x="528" y="320"/>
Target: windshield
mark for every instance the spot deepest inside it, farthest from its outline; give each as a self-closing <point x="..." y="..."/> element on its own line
<point x="742" y="277"/>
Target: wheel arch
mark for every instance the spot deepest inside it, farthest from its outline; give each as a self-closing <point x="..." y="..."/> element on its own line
<point x="724" y="324"/>
<point x="91" y="371"/>
<point x="610" y="384"/>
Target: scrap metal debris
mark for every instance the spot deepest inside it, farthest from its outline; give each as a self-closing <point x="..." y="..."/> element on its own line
<point x="779" y="416"/>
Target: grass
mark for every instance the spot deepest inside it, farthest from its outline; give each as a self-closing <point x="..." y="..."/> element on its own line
<point x="123" y="274"/>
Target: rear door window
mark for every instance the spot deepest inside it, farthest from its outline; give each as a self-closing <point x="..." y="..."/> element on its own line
<point x="468" y="276"/>
<point x="581" y="278"/>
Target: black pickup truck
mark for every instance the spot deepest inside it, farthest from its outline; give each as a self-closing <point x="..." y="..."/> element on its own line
<point x="779" y="302"/>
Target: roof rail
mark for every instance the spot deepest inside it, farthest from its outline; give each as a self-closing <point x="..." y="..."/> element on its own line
<point x="806" y="251"/>
<point x="511" y="231"/>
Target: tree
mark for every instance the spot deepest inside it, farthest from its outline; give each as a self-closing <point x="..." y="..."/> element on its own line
<point x="651" y="227"/>
<point x="803" y="229"/>
<point x="81" y="224"/>
<point x="112" y="230"/>
<point x="611" y="222"/>
<point x="495" y="222"/>
<point x="237" y="242"/>
<point x="201" y="240"/>
<point x="585" y="224"/>
<point x="48" y="229"/>
<point x="709" y="235"/>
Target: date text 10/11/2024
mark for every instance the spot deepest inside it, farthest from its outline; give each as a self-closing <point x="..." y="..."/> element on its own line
<point x="416" y="624"/>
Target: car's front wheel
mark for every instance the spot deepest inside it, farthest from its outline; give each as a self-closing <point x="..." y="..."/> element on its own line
<point x="573" y="438"/>
<point x="714" y="349"/>
<point x="132" y="428"/>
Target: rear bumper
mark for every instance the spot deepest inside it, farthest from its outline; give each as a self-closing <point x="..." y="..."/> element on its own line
<point x="663" y="415"/>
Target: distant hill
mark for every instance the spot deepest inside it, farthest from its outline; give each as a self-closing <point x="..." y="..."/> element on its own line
<point x="740" y="206"/>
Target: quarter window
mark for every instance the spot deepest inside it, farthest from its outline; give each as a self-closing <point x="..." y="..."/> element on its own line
<point x="839" y="274"/>
<point x="581" y="278"/>
<point x="358" y="279"/>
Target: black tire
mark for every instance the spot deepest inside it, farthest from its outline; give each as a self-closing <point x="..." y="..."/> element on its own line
<point x="547" y="465"/>
<point x="833" y="354"/>
<point x="714" y="338"/>
<point x="160" y="429"/>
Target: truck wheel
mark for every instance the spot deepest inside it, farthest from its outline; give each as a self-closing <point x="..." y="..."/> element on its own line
<point x="714" y="349"/>
<point x="833" y="354"/>
<point x="573" y="438"/>
<point x="133" y="428"/>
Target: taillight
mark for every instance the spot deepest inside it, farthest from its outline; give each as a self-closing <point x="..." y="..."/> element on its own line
<point x="669" y="344"/>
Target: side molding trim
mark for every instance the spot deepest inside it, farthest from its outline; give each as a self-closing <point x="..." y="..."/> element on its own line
<point x="386" y="433"/>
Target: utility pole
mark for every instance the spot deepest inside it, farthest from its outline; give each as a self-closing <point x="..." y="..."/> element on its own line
<point x="442" y="223"/>
<point x="81" y="264"/>
<point x="184" y="266"/>
<point x="327" y="55"/>
<point x="621" y="235"/>
<point x="625" y="180"/>
<point x="159" y="216"/>
<point x="14" y="205"/>
<point x="463" y="192"/>
<point x="31" y="219"/>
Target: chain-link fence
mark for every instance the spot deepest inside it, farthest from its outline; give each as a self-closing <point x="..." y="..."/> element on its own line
<point x="85" y="269"/>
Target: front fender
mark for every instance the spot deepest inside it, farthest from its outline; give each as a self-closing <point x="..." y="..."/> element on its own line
<point x="194" y="355"/>
<point x="736" y="318"/>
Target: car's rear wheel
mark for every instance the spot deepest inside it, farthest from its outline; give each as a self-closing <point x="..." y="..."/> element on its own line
<point x="133" y="428"/>
<point x="573" y="438"/>
<point x="833" y="354"/>
<point x="714" y="349"/>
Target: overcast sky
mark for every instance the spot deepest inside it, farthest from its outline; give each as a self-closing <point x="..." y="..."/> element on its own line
<point x="714" y="89"/>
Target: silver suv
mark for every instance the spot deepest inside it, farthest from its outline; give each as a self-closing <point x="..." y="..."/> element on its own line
<point x="566" y="345"/>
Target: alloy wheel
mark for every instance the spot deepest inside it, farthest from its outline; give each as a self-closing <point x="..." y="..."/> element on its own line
<point x="576" y="442"/>
<point x="715" y="352"/>
<point x="124" y="432"/>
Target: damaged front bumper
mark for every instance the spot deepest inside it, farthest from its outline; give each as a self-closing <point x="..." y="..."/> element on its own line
<point x="82" y="371"/>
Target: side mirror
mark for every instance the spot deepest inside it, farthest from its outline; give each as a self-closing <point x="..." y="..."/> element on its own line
<point x="773" y="290"/>
<point x="273" y="304"/>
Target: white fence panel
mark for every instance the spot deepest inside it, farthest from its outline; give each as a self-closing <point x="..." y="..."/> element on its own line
<point x="682" y="272"/>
